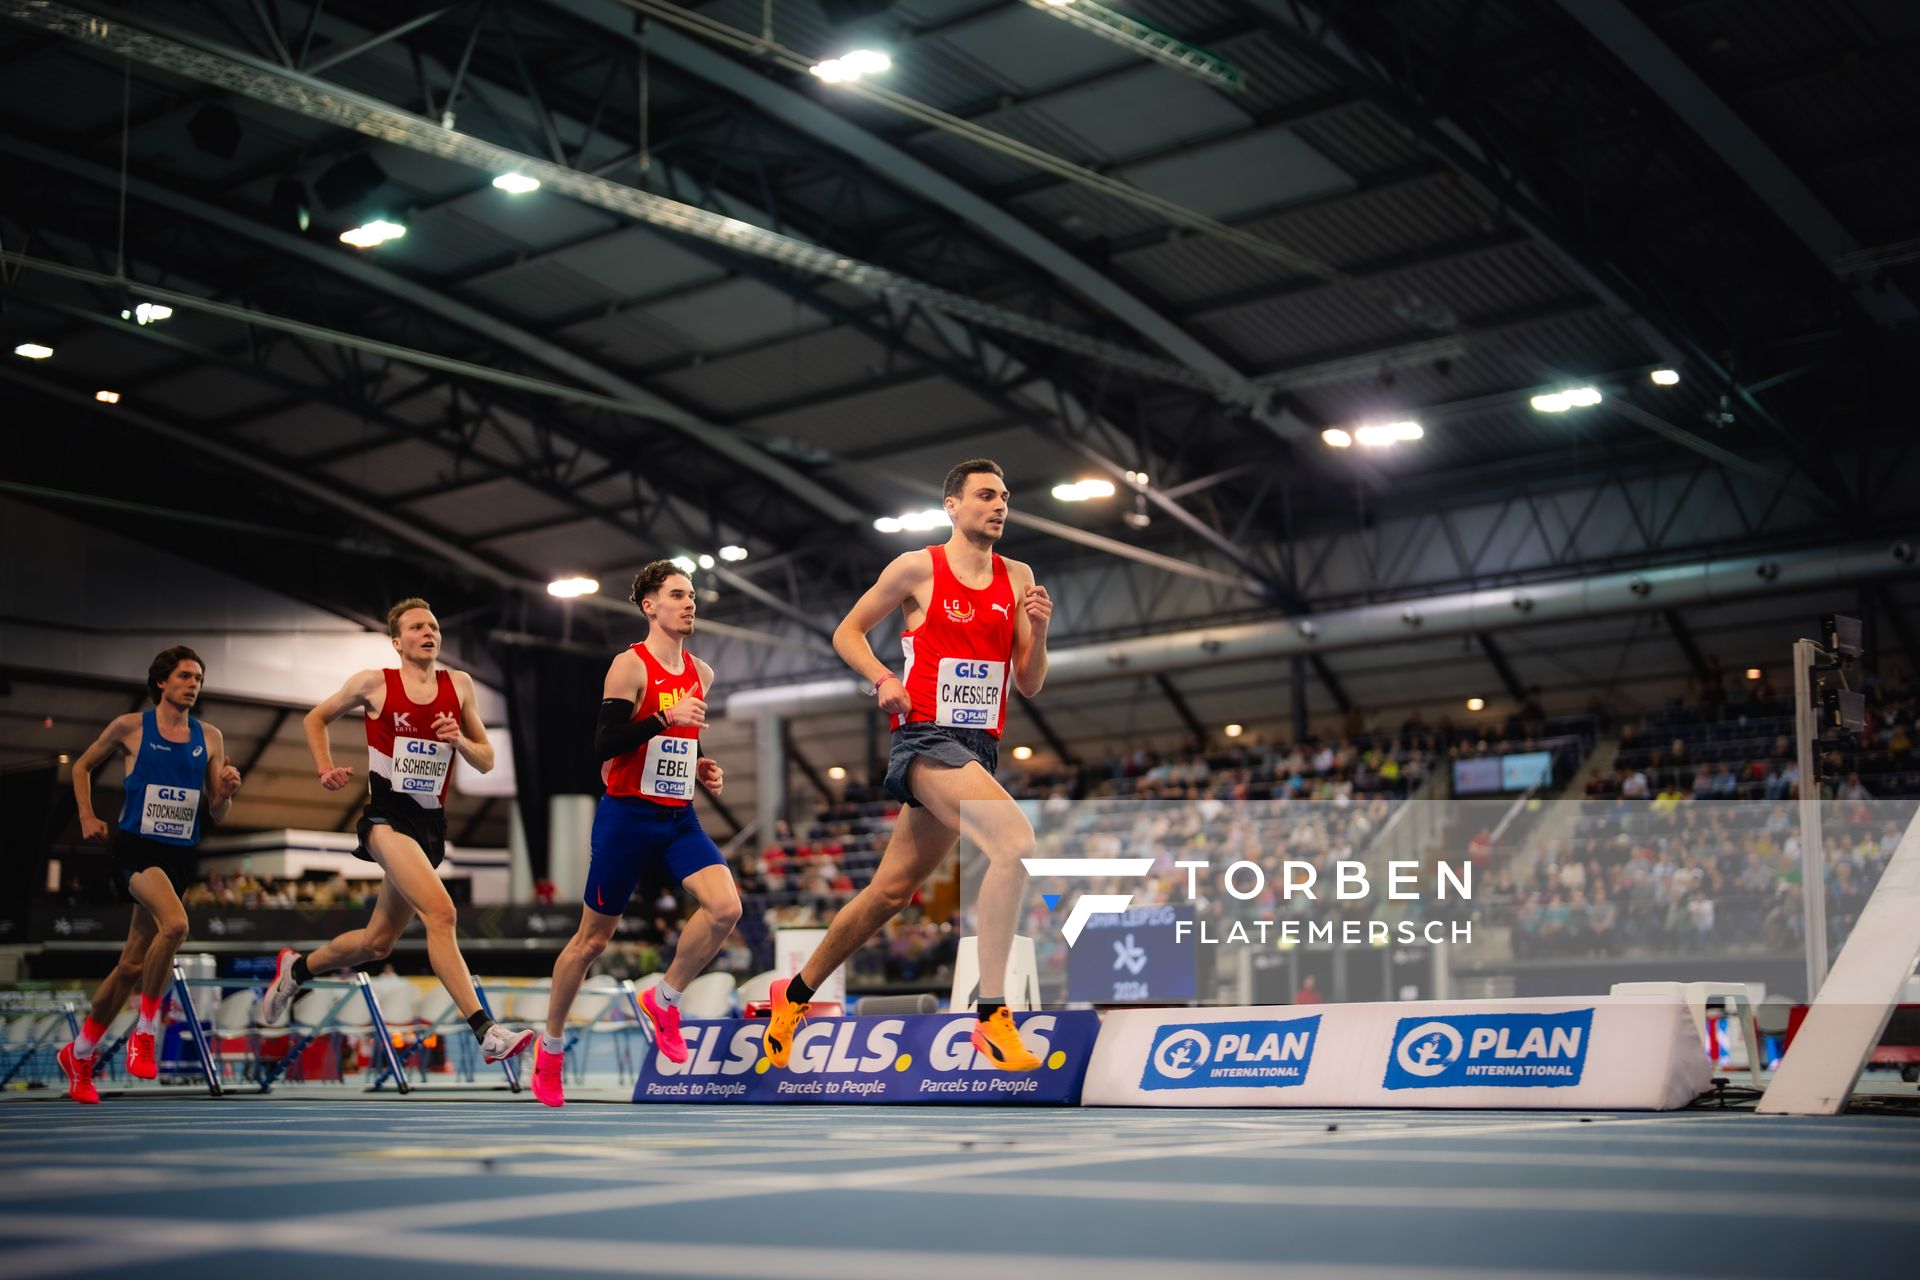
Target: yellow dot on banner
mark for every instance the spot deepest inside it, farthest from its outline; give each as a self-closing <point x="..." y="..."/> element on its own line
<point x="760" y="1067"/>
<point x="1056" y="1060"/>
<point x="902" y="1062"/>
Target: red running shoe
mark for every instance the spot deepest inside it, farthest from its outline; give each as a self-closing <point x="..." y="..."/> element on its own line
<point x="140" y="1060"/>
<point x="547" y="1084"/>
<point x="666" y="1027"/>
<point x="79" y="1075"/>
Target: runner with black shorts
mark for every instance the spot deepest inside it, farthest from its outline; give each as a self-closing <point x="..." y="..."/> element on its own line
<point x="972" y="620"/>
<point x="178" y="779"/>
<point x="418" y="718"/>
<point x="654" y="704"/>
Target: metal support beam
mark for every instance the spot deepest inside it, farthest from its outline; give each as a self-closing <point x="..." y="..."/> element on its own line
<point x="1683" y="637"/>
<point x="1501" y="667"/>
<point x="1897" y="623"/>
<point x="800" y="761"/>
<point x="1054" y="740"/>
<point x="1332" y="683"/>
<point x="1180" y="707"/>
<point x="915" y="175"/>
<point x="1297" y="667"/>
<point x="727" y="814"/>
<point x="266" y="740"/>
<point x="1734" y="141"/>
<point x="479" y="818"/>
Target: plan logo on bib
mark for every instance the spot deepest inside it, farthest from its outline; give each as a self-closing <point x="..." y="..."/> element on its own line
<point x="1498" y="1050"/>
<point x="1266" y="1053"/>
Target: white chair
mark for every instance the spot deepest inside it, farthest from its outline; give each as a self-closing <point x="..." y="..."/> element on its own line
<point x="708" y="996"/>
<point x="759" y="988"/>
<point x="313" y="1006"/>
<point x="529" y="1007"/>
<point x="435" y="1007"/>
<point x="596" y="997"/>
<point x="1023" y="976"/>
<point x="399" y="1001"/>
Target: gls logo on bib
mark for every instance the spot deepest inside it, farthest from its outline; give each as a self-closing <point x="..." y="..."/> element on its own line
<point x="1268" y="1053"/>
<point x="1503" y="1050"/>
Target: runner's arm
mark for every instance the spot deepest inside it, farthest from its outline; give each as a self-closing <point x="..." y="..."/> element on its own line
<point x="897" y="584"/>
<point x="472" y="744"/>
<point x="1032" y="615"/>
<point x="112" y="738"/>
<point x="616" y="732"/>
<point x="354" y="694"/>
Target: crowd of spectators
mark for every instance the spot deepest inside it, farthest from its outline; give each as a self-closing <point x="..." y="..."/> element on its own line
<point x="1690" y="844"/>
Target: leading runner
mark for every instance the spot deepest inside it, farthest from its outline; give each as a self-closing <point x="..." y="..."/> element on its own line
<point x="972" y="619"/>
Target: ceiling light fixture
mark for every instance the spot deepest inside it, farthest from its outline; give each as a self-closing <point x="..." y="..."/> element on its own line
<point x="373" y="234"/>
<point x="913" y="521"/>
<point x="1083" y="490"/>
<point x="568" y="588"/>
<point x="852" y="66"/>
<point x="1561" y="401"/>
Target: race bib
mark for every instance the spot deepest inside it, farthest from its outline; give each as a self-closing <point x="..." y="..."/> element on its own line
<point x="169" y="812"/>
<point x="420" y="765"/>
<point x="670" y="766"/>
<point x="969" y="693"/>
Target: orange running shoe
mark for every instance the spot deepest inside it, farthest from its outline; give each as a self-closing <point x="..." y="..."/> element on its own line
<point x="140" y="1060"/>
<point x="777" y="1044"/>
<point x="79" y="1075"/>
<point x="998" y="1040"/>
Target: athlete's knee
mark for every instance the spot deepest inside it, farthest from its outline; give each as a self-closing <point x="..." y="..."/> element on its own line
<point x="131" y="967"/>
<point x="1012" y="846"/>
<point x="725" y="914"/>
<point x="440" y="916"/>
<point x="891" y="894"/>
<point x="378" y="944"/>
<point x="587" y="946"/>
<point x="172" y="931"/>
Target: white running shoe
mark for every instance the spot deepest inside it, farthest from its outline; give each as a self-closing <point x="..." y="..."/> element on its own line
<point x="501" y="1043"/>
<point x="280" y="992"/>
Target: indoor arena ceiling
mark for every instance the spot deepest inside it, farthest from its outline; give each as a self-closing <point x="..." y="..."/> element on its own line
<point x="751" y="308"/>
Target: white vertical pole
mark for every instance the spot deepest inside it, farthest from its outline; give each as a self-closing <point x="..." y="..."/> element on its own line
<point x="1813" y="884"/>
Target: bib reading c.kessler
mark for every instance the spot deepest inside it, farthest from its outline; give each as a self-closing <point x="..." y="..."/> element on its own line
<point x="959" y="657"/>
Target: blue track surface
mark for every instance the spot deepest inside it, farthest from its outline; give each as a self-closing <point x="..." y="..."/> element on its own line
<point x="289" y="1186"/>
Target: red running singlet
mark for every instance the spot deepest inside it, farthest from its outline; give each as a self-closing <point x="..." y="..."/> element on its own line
<point x="403" y="755"/>
<point x="959" y="657"/>
<point x="661" y="769"/>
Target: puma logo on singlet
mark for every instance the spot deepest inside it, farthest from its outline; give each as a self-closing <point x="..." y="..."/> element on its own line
<point x="1002" y="608"/>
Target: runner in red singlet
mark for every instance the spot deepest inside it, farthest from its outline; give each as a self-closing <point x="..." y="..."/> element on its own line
<point x="653" y="706"/>
<point x="973" y="621"/>
<point x="418" y="718"/>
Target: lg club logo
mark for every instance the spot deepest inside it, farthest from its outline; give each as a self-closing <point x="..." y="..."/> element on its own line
<point x="1088" y="905"/>
<point x="1504" y="1050"/>
<point x="1263" y="1054"/>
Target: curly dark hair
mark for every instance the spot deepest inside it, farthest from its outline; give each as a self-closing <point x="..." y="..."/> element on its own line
<point x="163" y="664"/>
<point x="652" y="577"/>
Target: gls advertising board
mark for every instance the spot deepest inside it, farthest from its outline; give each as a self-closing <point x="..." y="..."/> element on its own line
<point x="922" y="1058"/>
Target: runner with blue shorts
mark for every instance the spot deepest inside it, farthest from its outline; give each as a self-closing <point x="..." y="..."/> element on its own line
<point x="653" y="706"/>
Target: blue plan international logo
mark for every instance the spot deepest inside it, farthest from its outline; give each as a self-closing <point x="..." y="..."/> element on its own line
<point x="1503" y="1050"/>
<point x="1267" y="1053"/>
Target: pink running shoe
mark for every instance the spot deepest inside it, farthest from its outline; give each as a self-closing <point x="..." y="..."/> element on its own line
<point x="79" y="1075"/>
<point x="547" y="1084"/>
<point x="666" y="1027"/>
<point x="140" y="1059"/>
